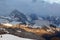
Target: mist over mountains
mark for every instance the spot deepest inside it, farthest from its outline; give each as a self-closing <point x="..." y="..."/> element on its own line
<point x="31" y="19"/>
<point x="30" y="10"/>
<point x="34" y="19"/>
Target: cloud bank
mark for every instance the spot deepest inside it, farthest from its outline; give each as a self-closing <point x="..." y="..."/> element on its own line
<point x="53" y="1"/>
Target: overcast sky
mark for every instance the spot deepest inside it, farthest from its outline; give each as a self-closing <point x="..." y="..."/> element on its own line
<point x="40" y="7"/>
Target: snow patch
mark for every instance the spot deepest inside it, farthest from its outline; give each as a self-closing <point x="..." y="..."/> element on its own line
<point x="12" y="37"/>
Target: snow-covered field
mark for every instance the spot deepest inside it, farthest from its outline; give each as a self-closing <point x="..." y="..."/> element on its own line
<point x="11" y="37"/>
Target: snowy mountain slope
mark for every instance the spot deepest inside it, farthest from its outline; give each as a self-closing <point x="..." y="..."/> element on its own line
<point x="11" y="37"/>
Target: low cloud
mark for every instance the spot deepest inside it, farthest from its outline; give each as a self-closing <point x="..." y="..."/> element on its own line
<point x="53" y="1"/>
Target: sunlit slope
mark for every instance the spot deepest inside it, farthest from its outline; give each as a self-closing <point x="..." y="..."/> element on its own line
<point x="37" y="31"/>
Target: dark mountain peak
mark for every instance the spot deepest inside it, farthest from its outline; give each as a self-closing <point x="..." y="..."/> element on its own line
<point x="16" y="12"/>
<point x="18" y="16"/>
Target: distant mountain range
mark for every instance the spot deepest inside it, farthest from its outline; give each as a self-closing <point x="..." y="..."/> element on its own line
<point x="21" y="17"/>
<point x="53" y="19"/>
<point x="32" y="19"/>
<point x="18" y="16"/>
